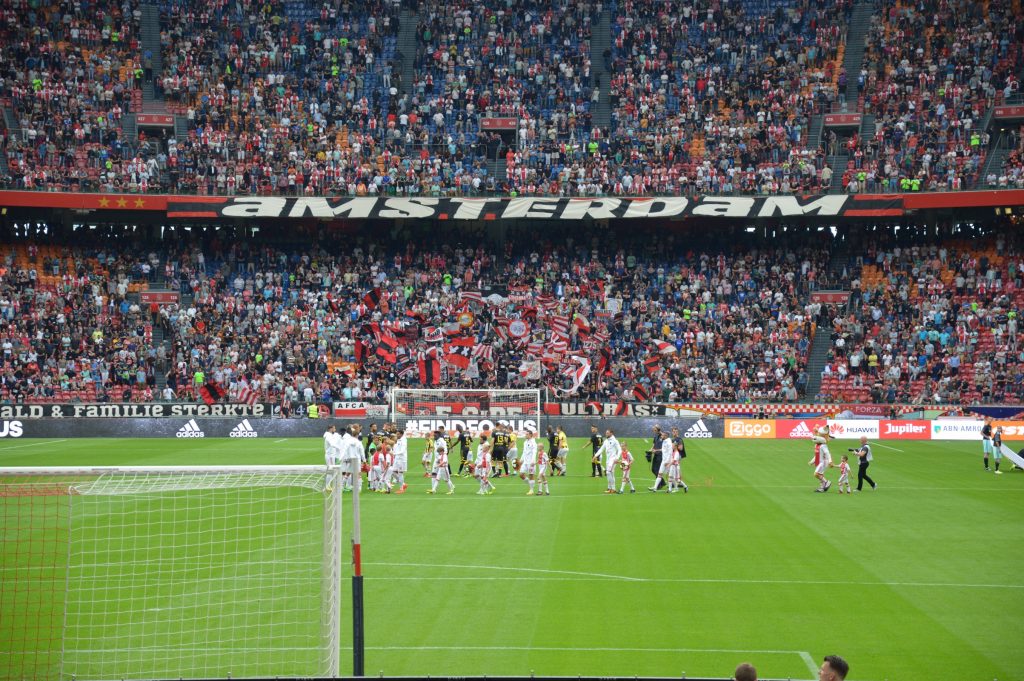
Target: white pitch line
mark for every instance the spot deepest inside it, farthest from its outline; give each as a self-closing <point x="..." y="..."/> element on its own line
<point x="594" y="575"/>
<point x="284" y="439"/>
<point x="879" y="444"/>
<point x="568" y="649"/>
<point x="34" y="444"/>
<point x="597" y="576"/>
<point x="809" y="661"/>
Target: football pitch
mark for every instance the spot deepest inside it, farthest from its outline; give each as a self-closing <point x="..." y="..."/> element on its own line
<point x="920" y="579"/>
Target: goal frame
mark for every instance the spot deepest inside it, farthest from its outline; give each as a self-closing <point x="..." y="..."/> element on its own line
<point x="332" y="523"/>
<point x="494" y="394"/>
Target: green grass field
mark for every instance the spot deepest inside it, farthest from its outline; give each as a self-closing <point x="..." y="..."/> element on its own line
<point x="918" y="580"/>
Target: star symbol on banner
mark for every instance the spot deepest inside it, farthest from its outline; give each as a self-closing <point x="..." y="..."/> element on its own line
<point x="104" y="202"/>
<point x="122" y="202"/>
<point x="140" y="203"/>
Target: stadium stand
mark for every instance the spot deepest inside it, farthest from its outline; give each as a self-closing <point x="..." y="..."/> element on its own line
<point x="295" y="97"/>
<point x="721" y="324"/>
<point x="930" y="323"/>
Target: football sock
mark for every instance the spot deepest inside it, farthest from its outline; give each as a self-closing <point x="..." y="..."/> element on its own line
<point x="986" y="463"/>
<point x="997" y="465"/>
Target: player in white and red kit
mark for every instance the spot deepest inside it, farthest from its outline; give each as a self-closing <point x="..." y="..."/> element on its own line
<point x="542" y="471"/>
<point x="822" y="459"/>
<point x="528" y="460"/>
<point x="399" y="463"/>
<point x="482" y="466"/>
<point x="441" y="471"/>
<point x="844" y="475"/>
<point x="626" y="461"/>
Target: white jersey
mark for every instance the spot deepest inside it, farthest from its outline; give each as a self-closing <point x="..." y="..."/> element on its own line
<point x="332" y="448"/>
<point x="612" y="450"/>
<point x="529" y="451"/>
<point x="401" y="453"/>
<point x="483" y="454"/>
<point x="667" y="450"/>
<point x="440" y="453"/>
<point x="352" y="449"/>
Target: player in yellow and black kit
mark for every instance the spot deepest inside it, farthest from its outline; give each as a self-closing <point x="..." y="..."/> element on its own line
<point x="596" y="440"/>
<point x="465" y="448"/>
<point x="500" y="452"/>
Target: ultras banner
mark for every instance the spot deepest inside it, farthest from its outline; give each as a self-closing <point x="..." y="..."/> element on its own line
<point x="465" y="208"/>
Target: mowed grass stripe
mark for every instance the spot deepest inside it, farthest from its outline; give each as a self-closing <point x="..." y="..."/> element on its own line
<point x="908" y="575"/>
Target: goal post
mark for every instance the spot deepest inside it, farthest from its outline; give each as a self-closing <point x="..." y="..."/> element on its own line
<point x="170" y="572"/>
<point x="417" y="411"/>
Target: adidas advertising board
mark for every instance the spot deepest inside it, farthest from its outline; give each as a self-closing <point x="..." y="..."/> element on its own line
<point x="626" y="428"/>
<point x="797" y="428"/>
<point x="698" y="429"/>
<point x="190" y="429"/>
<point x="243" y="429"/>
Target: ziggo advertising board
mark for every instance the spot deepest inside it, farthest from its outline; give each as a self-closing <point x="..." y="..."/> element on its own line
<point x="873" y="429"/>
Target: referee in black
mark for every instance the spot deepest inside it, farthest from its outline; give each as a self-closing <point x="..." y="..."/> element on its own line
<point x="864" y="456"/>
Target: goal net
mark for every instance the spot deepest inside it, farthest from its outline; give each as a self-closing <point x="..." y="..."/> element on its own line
<point x="147" y="573"/>
<point x="420" y="411"/>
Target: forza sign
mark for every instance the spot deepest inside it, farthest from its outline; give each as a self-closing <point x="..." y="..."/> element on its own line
<point x="462" y="208"/>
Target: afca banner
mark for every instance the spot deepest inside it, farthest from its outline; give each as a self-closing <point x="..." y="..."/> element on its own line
<point x="497" y="208"/>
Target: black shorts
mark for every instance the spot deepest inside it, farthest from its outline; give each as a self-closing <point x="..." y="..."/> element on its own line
<point x="656" y="463"/>
<point x="464" y="455"/>
<point x="500" y="453"/>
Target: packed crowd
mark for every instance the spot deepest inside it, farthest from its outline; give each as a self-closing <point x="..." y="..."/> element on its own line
<point x="931" y="324"/>
<point x="717" y="97"/>
<point x="932" y="70"/>
<point x="68" y="73"/>
<point x="299" y="97"/>
<point x="651" y="319"/>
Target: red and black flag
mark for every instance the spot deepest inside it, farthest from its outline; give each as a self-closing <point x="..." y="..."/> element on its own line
<point x="212" y="392"/>
<point x="372" y="299"/>
<point x="604" y="365"/>
<point x="430" y="371"/>
<point x="360" y="351"/>
<point x="387" y="345"/>
<point x="641" y="393"/>
<point x="652" y="363"/>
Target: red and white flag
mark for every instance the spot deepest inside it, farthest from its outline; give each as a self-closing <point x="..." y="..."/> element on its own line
<point x="248" y="396"/>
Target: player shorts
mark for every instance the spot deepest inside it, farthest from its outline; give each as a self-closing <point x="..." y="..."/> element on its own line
<point x="527" y="468"/>
<point x="673" y="471"/>
<point x="986" y="446"/>
<point x="821" y="467"/>
<point x="663" y="468"/>
<point x="499" y="453"/>
<point x="844" y="478"/>
<point x="513" y="454"/>
<point x="996" y="453"/>
<point x="562" y="453"/>
<point x="426" y="458"/>
<point x="443" y="474"/>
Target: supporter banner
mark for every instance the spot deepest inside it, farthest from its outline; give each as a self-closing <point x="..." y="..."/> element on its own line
<point x="360" y="410"/>
<point x="154" y="120"/>
<point x="843" y="120"/>
<point x="956" y="429"/>
<point x="461" y="208"/>
<point x="1007" y="112"/>
<point x="751" y="429"/>
<point x="852" y="429"/>
<point x="905" y="430"/>
<point x="131" y="410"/>
<point x="500" y="208"/>
<point x="830" y="296"/>
<point x="159" y="297"/>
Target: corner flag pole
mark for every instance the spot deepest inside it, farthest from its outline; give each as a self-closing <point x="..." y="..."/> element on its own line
<point x="358" y="651"/>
